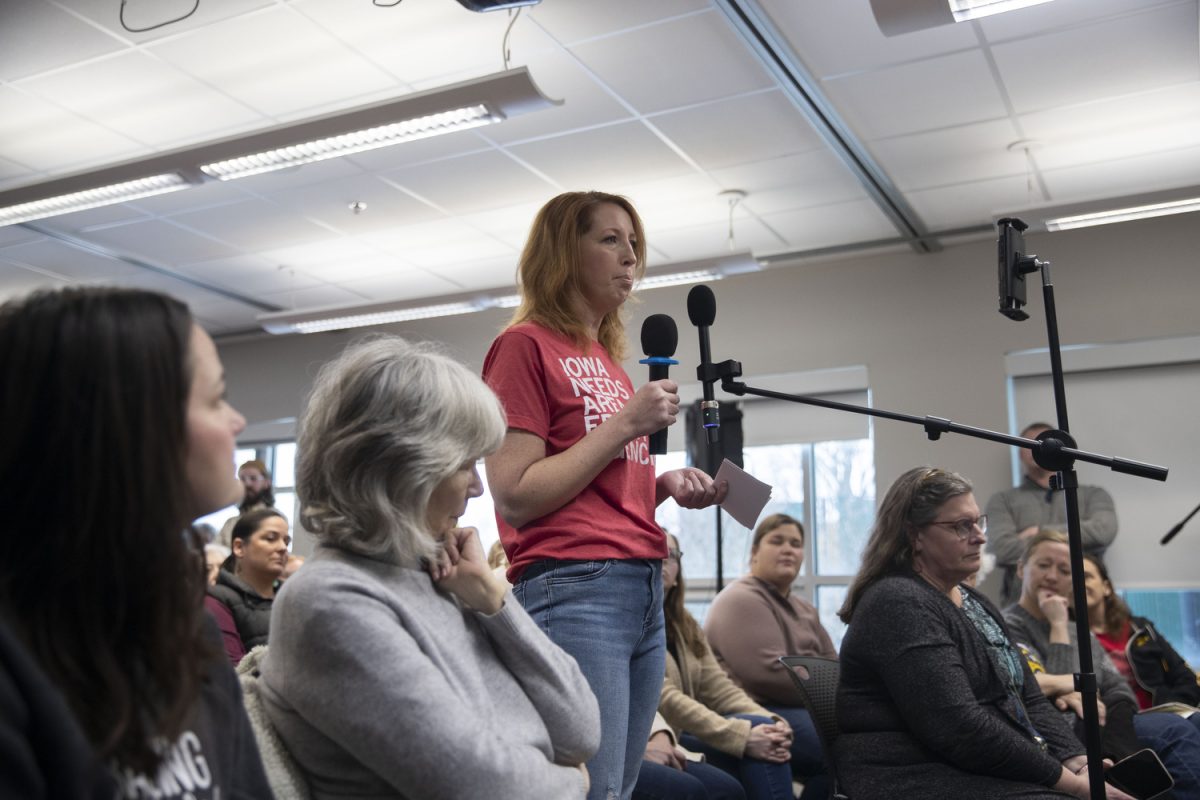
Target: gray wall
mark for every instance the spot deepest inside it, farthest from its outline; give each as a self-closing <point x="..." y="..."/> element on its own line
<point x="925" y="326"/>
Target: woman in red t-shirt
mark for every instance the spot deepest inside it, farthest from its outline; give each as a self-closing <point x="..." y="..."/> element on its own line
<point x="574" y="481"/>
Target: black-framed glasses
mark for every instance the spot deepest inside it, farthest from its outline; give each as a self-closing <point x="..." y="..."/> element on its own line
<point x="964" y="527"/>
<point x="673" y="554"/>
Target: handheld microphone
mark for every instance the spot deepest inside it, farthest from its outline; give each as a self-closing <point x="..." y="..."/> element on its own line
<point x="660" y="337"/>
<point x="702" y="310"/>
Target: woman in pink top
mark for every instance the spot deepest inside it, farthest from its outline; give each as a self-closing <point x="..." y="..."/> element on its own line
<point x="757" y="619"/>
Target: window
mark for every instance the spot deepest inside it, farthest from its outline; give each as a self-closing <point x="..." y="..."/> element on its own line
<point x="829" y="486"/>
<point x="280" y="458"/>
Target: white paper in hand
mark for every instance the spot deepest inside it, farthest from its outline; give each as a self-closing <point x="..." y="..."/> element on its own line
<point x="747" y="494"/>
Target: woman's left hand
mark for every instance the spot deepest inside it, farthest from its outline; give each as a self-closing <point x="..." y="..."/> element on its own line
<point x="690" y="488"/>
<point x="462" y="569"/>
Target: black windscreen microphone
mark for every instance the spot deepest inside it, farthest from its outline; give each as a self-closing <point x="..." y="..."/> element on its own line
<point x="702" y="310"/>
<point x="660" y="337"/>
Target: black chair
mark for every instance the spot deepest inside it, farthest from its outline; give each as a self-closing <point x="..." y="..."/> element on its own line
<point x="816" y="679"/>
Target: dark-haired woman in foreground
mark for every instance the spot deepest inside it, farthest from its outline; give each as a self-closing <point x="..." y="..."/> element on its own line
<point x="934" y="700"/>
<point x="117" y="436"/>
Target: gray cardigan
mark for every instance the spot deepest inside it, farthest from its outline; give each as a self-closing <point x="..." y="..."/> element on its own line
<point x="382" y="686"/>
<point x="920" y="705"/>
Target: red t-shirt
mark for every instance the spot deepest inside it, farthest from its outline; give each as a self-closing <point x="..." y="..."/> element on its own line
<point x="1115" y="647"/>
<point x="551" y="389"/>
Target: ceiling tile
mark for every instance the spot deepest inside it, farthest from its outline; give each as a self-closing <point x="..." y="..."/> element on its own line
<point x="833" y="225"/>
<point x="249" y="275"/>
<point x="144" y="99"/>
<point x="590" y="159"/>
<point x="583" y="21"/>
<point x="951" y="155"/>
<point x="1122" y="128"/>
<point x="441" y="41"/>
<point x="1049" y="17"/>
<point x="402" y="285"/>
<point x="13" y="174"/>
<point x="1101" y="60"/>
<point x="1144" y="173"/>
<point x="166" y="19"/>
<point x="314" y="297"/>
<point x="678" y="245"/>
<point x="684" y="61"/>
<point x="15" y="281"/>
<point x="36" y="36"/>
<point x="964" y="204"/>
<point x="93" y="218"/>
<point x="252" y="225"/>
<point x="833" y="37"/>
<point x="509" y="225"/>
<point x="207" y="195"/>
<point x="161" y="242"/>
<point x="473" y="183"/>
<point x="781" y="184"/>
<point x="420" y="151"/>
<point x="329" y="203"/>
<point x="225" y="317"/>
<point x="17" y="234"/>
<point x="44" y="137"/>
<point x="181" y="290"/>
<point x="66" y="262"/>
<point x="275" y="61"/>
<point x="749" y="128"/>
<point x="925" y="95"/>
<point x="480" y="275"/>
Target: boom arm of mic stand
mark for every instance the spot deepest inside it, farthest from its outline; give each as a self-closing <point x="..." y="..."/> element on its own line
<point x="934" y="426"/>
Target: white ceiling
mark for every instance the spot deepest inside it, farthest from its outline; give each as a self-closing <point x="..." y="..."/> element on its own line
<point x="663" y="101"/>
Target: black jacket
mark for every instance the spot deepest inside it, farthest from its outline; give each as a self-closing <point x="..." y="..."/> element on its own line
<point x="1157" y="667"/>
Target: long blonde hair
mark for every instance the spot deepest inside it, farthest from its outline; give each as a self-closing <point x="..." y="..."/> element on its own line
<point x="549" y="271"/>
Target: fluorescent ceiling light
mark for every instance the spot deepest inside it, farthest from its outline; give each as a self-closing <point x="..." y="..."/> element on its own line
<point x="964" y="10"/>
<point x="332" y="318"/>
<point x="359" y="317"/>
<point x="93" y="198"/>
<point x="1123" y="214"/>
<point x="896" y="17"/>
<point x="457" y="107"/>
<point x="345" y="144"/>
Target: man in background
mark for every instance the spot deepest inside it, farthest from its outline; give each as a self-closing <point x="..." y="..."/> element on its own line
<point x="256" y="485"/>
<point x="1015" y="515"/>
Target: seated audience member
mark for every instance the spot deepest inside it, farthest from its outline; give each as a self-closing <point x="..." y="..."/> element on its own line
<point x="246" y="581"/>
<point x="214" y="557"/>
<point x="256" y="493"/>
<point x="1041" y="626"/>
<point x="1156" y="673"/>
<point x="120" y="687"/>
<point x="757" y="619"/>
<point x="712" y="715"/>
<point x="398" y="665"/>
<point x="1016" y="515"/>
<point x="934" y="701"/>
<point x="668" y="772"/>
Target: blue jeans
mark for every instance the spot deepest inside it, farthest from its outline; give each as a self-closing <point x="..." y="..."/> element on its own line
<point x="808" y="765"/>
<point x="762" y="780"/>
<point x="608" y="615"/>
<point x="1177" y="742"/>
<point x="697" y="782"/>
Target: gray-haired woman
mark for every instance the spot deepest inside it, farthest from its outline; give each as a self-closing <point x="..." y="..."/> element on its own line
<point x="399" y="666"/>
<point x="934" y="701"/>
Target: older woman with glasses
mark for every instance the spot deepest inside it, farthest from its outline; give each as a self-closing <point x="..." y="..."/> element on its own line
<point x="934" y="700"/>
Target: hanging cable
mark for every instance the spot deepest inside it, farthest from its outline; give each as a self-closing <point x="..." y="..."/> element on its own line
<point x="385" y="5"/>
<point x="734" y="196"/>
<point x="505" y="53"/>
<point x="121" y="17"/>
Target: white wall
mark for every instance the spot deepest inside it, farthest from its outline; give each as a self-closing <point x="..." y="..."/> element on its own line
<point x="925" y="327"/>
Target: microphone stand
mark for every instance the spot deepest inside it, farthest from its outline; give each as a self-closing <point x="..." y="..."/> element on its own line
<point x="1054" y="450"/>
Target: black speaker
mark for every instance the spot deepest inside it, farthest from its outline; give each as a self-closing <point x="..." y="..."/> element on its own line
<point x="708" y="457"/>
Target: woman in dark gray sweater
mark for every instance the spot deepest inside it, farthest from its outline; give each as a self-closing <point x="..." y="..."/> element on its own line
<point x="934" y="701"/>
